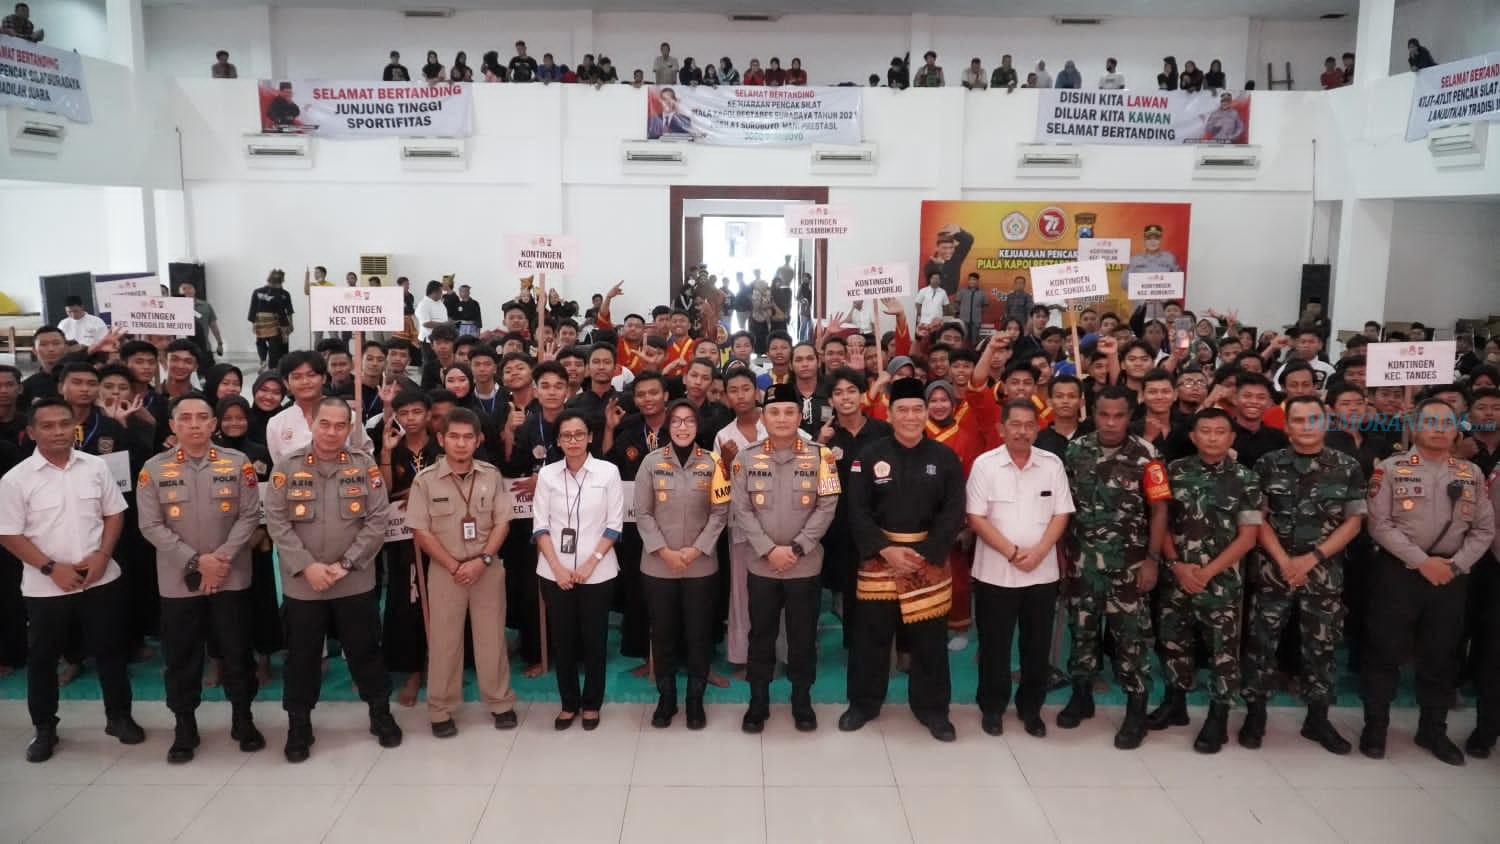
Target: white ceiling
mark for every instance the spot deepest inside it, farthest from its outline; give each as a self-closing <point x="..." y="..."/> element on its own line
<point x="1271" y="9"/>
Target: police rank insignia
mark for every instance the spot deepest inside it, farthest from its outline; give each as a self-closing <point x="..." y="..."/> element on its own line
<point x="278" y="480"/>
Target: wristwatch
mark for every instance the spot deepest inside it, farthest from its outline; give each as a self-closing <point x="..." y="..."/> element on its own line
<point x="595" y="557"/>
<point x="346" y="564"/>
<point x="798" y="549"/>
<point x="1453" y="567"/>
<point x="47" y="567"/>
<point x="191" y="566"/>
<point x="487" y="559"/>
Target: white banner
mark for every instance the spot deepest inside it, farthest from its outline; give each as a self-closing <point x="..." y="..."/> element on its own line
<point x="1072" y="116"/>
<point x="1149" y="286"/>
<point x="171" y="316"/>
<point x="357" y="309"/>
<point x="43" y="78"/>
<point x="1111" y="250"/>
<point x="1057" y="283"/>
<point x="526" y="254"/>
<point x="119" y="469"/>
<point x="520" y="502"/>
<point x="106" y="292"/>
<point x="629" y="490"/>
<point x="1399" y="364"/>
<point x="754" y="115"/>
<point x="395" y="520"/>
<point x="362" y="109"/>
<point x="817" y="220"/>
<point x="877" y="281"/>
<point x="1464" y="91"/>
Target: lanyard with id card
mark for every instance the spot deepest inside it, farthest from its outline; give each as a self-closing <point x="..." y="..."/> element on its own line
<point x="470" y="526"/>
<point x="568" y="539"/>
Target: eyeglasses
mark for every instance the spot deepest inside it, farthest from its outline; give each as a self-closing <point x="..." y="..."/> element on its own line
<point x="684" y="422"/>
<point x="574" y="436"/>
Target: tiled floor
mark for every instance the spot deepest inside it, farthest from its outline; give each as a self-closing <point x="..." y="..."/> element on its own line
<point x="627" y="782"/>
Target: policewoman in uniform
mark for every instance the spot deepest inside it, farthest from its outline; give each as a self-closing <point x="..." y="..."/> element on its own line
<point x="458" y="513"/>
<point x="905" y="509"/>
<point x="200" y="506"/>
<point x="681" y="505"/>
<point x="326" y="510"/>
<point x="1429" y="513"/>
<point x="784" y="493"/>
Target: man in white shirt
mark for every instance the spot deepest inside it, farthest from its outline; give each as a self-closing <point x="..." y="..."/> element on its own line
<point x="1043" y="78"/>
<point x="1306" y="344"/>
<point x="1111" y="81"/>
<point x="1018" y="506"/>
<point x="931" y="300"/>
<point x="860" y="317"/>
<point x="61" y="513"/>
<point x="291" y="430"/>
<point x="80" y="326"/>
<point x="431" y="311"/>
<point x="666" y="66"/>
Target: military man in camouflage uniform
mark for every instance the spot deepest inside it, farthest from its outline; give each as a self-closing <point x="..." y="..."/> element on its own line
<point x="1120" y="492"/>
<point x="1314" y="507"/>
<point x="1213" y="518"/>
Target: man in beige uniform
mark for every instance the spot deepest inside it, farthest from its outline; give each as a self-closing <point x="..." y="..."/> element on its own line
<point x="459" y="513"/>
<point x="784" y="491"/>
<point x="326" y="512"/>
<point x="199" y="505"/>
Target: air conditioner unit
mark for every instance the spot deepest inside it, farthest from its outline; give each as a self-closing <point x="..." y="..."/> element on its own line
<point x="375" y="266"/>
<point x="1226" y="162"/>
<point x="433" y="154"/>
<point x="426" y="13"/>
<point x="1045" y="161"/>
<point x="278" y="152"/>
<point x="857" y="160"/>
<point x="652" y="157"/>
<point x="1458" y="145"/>
<point x="35" y="132"/>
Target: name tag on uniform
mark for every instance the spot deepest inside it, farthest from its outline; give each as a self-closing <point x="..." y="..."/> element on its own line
<point x="1046" y="493"/>
<point x="471" y="529"/>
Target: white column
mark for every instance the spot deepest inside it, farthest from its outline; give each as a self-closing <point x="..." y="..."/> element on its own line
<point x="1372" y="41"/>
<point x="583" y="35"/>
<point x="921" y="42"/>
<point x="261" y="61"/>
<point x="126" y="32"/>
<point x="1361" y="270"/>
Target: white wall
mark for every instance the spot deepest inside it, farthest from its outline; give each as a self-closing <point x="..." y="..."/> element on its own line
<point x="52" y="229"/>
<point x="1443" y="262"/>
<point x="1303" y="43"/>
<point x="72" y="25"/>
<point x="1451" y="29"/>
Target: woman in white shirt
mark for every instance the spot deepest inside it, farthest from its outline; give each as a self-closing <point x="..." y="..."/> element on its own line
<point x="579" y="511"/>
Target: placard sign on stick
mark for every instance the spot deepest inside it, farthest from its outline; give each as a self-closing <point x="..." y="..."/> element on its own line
<point x="395" y="520"/>
<point x="357" y="309"/>
<point x="816" y="220"/>
<point x="105" y="292"/>
<point x="1112" y="250"/>
<point x="170" y="316"/>
<point x="526" y="254"/>
<point x="1150" y="286"/>
<point x="1399" y="364"/>
<point x="520" y="501"/>
<point x="877" y="281"/>
<point x="1057" y="283"/>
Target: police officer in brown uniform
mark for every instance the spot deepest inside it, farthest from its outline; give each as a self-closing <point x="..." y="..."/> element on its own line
<point x="784" y="491"/>
<point x="1431" y="516"/>
<point x="326" y="511"/>
<point x="200" y="505"/>
<point x="459" y="512"/>
<point x="681" y="506"/>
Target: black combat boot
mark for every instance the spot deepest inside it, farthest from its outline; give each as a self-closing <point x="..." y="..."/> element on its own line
<point x="1481" y="743"/>
<point x="1133" y="729"/>
<point x="1317" y="727"/>
<point x="666" y="703"/>
<point x="803" y="716"/>
<point x="1172" y="712"/>
<point x="299" y="737"/>
<point x="1215" y="729"/>
<point x="40" y="748"/>
<point x="1253" y="731"/>
<point x="760" y="709"/>
<point x="1432" y="735"/>
<point x="383" y="725"/>
<point x="697" y="718"/>
<point x="1372" y="737"/>
<point x="184" y="741"/>
<point x="1080" y="706"/>
<point x="242" y="729"/>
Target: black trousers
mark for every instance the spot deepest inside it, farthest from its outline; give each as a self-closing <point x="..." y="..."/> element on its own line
<point x="12" y="612"/>
<point x="998" y="611"/>
<point x="1410" y="617"/>
<point x="519" y="557"/>
<point x="102" y="614"/>
<point x="760" y="335"/>
<point x="1359" y="560"/>
<point x="768" y="598"/>
<point x="1484" y="644"/>
<point x="271" y="349"/>
<point x="355" y="621"/>
<point x="137" y="559"/>
<point x="682" y="610"/>
<point x="185" y="629"/>
<point x="874" y="628"/>
<point x="630" y="597"/>
<point x="265" y="606"/>
<point x="578" y="630"/>
<point x="404" y="645"/>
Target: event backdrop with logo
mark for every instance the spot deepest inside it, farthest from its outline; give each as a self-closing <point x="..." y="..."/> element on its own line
<point x="1003" y="240"/>
<point x="43" y="78"/>
<point x="361" y="109"/>
<point x="753" y="115"/>
<point x="1080" y="116"/>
